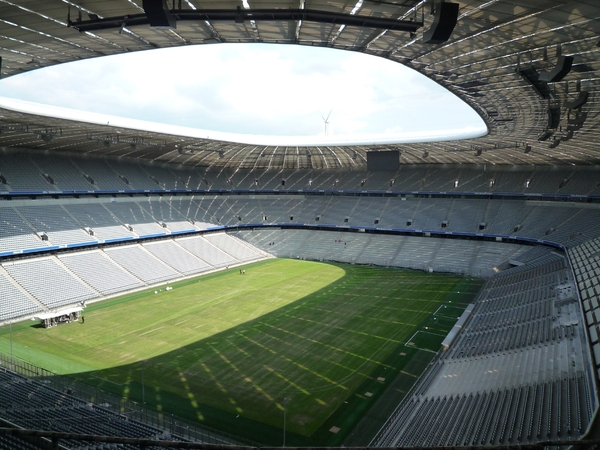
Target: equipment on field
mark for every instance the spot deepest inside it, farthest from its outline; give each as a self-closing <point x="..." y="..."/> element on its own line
<point x="53" y="319"/>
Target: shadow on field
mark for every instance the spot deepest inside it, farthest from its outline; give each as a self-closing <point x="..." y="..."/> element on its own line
<point x="332" y="354"/>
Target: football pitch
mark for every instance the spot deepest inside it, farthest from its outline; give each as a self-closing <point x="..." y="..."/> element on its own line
<point x="341" y="343"/>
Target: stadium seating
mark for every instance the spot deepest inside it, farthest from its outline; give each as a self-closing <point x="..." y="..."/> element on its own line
<point x="103" y="176"/>
<point x="33" y="405"/>
<point x="527" y="314"/>
<point x="60" y="227"/>
<point x="65" y="174"/>
<point x="206" y="251"/>
<point x="31" y="286"/>
<point x="586" y="265"/>
<point x="26" y="173"/>
<point x="96" y="217"/>
<point x="171" y="213"/>
<point x="15" y="232"/>
<point x="136" y="216"/>
<point x="230" y="245"/>
<point x="100" y="272"/>
<point x="69" y="223"/>
<point x="14" y="301"/>
<point x="177" y="257"/>
<point x="21" y="174"/>
<point x="440" y="255"/>
<point x="517" y="373"/>
<point x="67" y="220"/>
<point x="49" y="281"/>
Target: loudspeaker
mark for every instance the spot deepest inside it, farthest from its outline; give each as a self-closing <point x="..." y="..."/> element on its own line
<point x="446" y="15"/>
<point x="578" y="119"/>
<point x="579" y="101"/>
<point x="561" y="69"/>
<point x="158" y="14"/>
<point x="544" y="135"/>
<point x="554" y="143"/>
<point x="553" y="117"/>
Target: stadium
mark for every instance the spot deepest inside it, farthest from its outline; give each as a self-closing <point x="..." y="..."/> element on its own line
<point x="161" y="291"/>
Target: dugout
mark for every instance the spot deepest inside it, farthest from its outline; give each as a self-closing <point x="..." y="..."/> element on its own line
<point x="55" y="318"/>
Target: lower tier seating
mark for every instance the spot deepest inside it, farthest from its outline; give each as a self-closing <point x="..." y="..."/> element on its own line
<point x="518" y="372"/>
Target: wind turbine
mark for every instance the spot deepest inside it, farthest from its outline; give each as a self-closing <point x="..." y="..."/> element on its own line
<point x="326" y="121"/>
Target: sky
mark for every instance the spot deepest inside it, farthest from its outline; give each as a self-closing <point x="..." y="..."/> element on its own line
<point x="263" y="93"/>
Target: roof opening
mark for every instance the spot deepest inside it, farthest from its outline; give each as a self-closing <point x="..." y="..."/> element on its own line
<point x="253" y="93"/>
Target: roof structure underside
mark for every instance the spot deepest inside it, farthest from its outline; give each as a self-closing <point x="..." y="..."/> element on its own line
<point x="495" y="60"/>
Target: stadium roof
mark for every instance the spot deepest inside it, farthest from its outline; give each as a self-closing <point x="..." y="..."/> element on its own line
<point x="503" y="58"/>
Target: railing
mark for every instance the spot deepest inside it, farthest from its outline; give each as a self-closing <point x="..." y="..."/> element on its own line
<point x="144" y="443"/>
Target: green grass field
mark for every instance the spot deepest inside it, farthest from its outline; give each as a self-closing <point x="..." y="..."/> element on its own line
<point x="226" y="349"/>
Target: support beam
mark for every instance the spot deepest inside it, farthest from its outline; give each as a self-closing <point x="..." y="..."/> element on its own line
<point x="239" y="16"/>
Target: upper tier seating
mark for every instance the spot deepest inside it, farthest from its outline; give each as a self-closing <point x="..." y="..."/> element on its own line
<point x="104" y="224"/>
<point x="15" y="232"/>
<point x="134" y="214"/>
<point x="56" y="222"/>
<point x="25" y="172"/>
<point x="65" y="174"/>
<point x="22" y="174"/>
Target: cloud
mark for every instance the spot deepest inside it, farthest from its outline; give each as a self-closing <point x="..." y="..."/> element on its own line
<point x="259" y="89"/>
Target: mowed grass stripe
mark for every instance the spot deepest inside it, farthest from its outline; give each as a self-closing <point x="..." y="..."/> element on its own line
<point x="227" y="348"/>
<point x="100" y="342"/>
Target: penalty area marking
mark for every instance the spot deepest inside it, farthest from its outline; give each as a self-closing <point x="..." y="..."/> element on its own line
<point x="412" y="345"/>
<point x="435" y="313"/>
